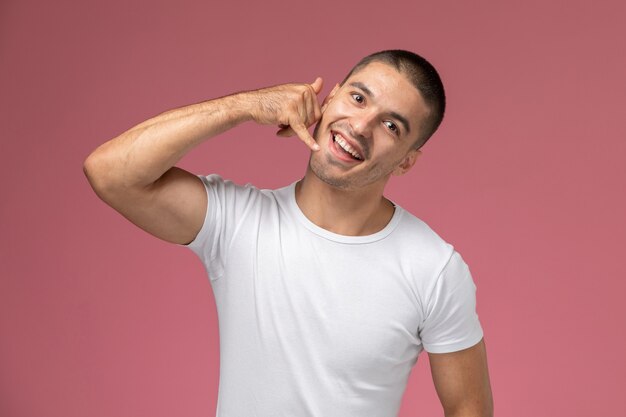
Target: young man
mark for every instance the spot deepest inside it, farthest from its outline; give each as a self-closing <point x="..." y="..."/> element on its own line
<point x="326" y="291"/>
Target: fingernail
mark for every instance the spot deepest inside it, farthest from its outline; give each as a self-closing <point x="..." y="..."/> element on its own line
<point x="316" y="147"/>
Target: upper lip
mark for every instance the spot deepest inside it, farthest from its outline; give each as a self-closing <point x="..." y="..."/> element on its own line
<point x="354" y="144"/>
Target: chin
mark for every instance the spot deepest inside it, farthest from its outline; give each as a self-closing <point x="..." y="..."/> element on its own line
<point x="322" y="173"/>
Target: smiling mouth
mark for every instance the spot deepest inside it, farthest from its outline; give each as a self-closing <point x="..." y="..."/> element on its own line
<point x="344" y="146"/>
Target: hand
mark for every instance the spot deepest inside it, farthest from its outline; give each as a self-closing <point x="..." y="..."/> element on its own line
<point x="293" y="107"/>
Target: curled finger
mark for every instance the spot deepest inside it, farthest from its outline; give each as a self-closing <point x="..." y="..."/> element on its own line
<point x="285" y="131"/>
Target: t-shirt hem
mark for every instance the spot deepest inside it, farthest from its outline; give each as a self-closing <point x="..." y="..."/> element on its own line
<point x="455" y="347"/>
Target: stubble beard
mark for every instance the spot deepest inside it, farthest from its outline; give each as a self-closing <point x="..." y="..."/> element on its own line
<point x="320" y="166"/>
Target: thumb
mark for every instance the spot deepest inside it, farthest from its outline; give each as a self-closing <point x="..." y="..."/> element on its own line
<point x="317" y="85"/>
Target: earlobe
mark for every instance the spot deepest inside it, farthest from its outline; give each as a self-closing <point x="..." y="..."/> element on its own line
<point x="407" y="163"/>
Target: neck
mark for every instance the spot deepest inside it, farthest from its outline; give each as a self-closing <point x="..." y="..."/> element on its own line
<point x="349" y="212"/>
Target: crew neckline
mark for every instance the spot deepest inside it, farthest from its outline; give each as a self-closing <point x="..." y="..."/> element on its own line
<point x="290" y="194"/>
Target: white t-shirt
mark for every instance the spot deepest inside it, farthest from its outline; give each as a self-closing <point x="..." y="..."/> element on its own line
<point x="317" y="324"/>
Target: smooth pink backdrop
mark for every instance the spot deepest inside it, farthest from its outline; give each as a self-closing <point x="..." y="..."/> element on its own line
<point x="526" y="178"/>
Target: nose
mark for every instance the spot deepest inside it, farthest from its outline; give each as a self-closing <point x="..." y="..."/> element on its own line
<point x="362" y="123"/>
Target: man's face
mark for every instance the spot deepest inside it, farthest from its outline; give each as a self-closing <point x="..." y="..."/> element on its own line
<point x="368" y="129"/>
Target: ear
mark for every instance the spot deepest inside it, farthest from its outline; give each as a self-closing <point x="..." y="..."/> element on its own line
<point x="407" y="163"/>
<point x="329" y="97"/>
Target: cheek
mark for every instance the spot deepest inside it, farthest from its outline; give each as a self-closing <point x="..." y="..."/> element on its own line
<point x="337" y="108"/>
<point x="389" y="159"/>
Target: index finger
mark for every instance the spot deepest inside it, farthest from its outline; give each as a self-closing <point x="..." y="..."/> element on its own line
<point x="303" y="134"/>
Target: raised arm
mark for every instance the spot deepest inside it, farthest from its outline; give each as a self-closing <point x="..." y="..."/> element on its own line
<point x="462" y="382"/>
<point x="135" y="174"/>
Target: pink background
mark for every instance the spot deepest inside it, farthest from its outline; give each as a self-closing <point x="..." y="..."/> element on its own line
<point x="526" y="178"/>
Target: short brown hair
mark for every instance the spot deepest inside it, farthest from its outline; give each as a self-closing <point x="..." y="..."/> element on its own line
<point x="422" y="75"/>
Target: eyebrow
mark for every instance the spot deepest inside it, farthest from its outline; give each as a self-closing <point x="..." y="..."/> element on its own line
<point x="393" y="114"/>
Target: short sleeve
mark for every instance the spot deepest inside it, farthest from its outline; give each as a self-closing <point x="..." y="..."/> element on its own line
<point x="451" y="322"/>
<point x="226" y="209"/>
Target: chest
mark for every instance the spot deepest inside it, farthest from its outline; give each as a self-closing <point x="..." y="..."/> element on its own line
<point x="352" y="308"/>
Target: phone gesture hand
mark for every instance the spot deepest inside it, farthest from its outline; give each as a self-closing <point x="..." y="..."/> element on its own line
<point x="292" y="107"/>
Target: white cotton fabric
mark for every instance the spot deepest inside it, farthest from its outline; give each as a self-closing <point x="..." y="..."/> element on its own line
<point x="316" y="324"/>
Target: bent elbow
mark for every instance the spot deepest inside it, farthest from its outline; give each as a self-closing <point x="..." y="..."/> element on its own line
<point x="98" y="174"/>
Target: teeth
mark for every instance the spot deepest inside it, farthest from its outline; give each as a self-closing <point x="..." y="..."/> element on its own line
<point x="346" y="146"/>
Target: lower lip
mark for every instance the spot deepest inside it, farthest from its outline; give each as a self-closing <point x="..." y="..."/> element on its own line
<point x="339" y="153"/>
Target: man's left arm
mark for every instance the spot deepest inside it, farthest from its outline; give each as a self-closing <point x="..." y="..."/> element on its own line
<point x="462" y="382"/>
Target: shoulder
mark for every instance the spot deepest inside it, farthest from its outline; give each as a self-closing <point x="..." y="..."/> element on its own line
<point x="226" y="190"/>
<point x="239" y="201"/>
<point x="216" y="182"/>
<point x="424" y="254"/>
<point x="421" y="241"/>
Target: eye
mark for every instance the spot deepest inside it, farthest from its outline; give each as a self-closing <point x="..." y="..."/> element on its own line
<point x="392" y="126"/>
<point x="358" y="98"/>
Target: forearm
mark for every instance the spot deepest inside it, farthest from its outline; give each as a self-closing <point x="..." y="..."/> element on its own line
<point x="142" y="154"/>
